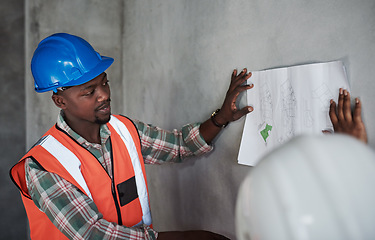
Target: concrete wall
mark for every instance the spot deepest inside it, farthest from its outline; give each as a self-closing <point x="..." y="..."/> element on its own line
<point x="12" y="115"/>
<point x="178" y="58"/>
<point x="173" y="64"/>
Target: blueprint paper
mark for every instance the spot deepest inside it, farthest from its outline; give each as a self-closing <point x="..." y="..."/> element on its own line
<point x="288" y="102"/>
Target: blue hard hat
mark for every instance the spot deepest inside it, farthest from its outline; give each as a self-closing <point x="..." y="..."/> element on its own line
<point x="63" y="60"/>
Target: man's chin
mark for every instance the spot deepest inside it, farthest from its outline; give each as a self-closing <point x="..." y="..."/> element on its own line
<point x="102" y="120"/>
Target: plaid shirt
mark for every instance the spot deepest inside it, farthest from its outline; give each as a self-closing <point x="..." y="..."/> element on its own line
<point x="75" y="214"/>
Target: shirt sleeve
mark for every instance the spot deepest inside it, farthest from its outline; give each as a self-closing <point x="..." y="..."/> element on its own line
<point x="72" y="212"/>
<point x="160" y="146"/>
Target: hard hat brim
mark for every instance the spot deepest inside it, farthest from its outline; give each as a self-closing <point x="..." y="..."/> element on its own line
<point x="103" y="65"/>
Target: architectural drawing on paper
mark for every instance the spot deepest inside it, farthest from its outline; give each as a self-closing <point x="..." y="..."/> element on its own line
<point x="324" y="94"/>
<point x="289" y="109"/>
<point x="288" y="102"/>
<point x="266" y="110"/>
<point x="307" y="117"/>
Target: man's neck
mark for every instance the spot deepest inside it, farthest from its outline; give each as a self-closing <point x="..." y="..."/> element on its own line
<point x="88" y="130"/>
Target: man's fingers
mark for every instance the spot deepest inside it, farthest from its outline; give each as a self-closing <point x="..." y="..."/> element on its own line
<point x="245" y="70"/>
<point x="234" y="74"/>
<point x="237" y="115"/>
<point x="332" y="113"/>
<point x="241" y="77"/>
<point x="357" y="111"/>
<point x="242" y="88"/>
<point x="340" y="112"/>
<point x="238" y="80"/>
<point x="248" y="75"/>
<point x="347" y="111"/>
<point x="242" y="74"/>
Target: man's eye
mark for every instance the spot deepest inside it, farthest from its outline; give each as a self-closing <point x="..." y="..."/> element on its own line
<point x="89" y="93"/>
<point x="106" y="83"/>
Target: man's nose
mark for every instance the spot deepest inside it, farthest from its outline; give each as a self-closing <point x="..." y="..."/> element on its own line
<point x="103" y="93"/>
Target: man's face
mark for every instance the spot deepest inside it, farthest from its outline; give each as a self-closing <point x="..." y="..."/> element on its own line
<point x="87" y="103"/>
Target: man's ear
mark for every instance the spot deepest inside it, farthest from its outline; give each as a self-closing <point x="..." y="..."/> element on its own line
<point x="58" y="100"/>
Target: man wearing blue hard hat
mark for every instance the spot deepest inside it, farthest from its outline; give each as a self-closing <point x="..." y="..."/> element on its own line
<point x="85" y="178"/>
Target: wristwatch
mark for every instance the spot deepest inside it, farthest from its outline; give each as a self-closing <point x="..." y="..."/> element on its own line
<point x="214" y="121"/>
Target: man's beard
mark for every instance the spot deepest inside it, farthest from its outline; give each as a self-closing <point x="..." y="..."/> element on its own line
<point x="102" y="121"/>
<point x="106" y="120"/>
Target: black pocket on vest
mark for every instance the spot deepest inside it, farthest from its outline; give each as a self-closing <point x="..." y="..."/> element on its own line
<point x="127" y="191"/>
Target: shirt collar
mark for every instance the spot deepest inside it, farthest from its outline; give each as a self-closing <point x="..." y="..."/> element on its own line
<point x="105" y="133"/>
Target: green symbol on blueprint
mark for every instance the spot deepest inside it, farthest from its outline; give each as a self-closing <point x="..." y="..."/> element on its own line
<point x="265" y="131"/>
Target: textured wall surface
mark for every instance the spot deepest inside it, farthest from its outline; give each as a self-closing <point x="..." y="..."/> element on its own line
<point x="173" y="61"/>
<point x="12" y="116"/>
<point x="178" y="58"/>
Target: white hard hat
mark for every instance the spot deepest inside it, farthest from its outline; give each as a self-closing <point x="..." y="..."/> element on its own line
<point x="311" y="188"/>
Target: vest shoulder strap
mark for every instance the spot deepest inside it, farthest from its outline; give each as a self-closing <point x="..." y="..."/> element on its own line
<point x="140" y="180"/>
<point x="67" y="159"/>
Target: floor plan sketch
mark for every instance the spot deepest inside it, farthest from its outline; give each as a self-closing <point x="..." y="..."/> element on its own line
<point x="287" y="102"/>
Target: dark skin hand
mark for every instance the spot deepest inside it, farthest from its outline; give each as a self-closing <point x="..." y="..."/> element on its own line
<point x="190" y="235"/>
<point x="344" y="120"/>
<point x="228" y="111"/>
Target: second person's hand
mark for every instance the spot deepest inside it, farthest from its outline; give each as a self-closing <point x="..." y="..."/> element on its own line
<point x="346" y="121"/>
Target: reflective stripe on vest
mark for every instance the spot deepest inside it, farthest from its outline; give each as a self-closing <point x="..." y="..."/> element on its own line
<point x="139" y="177"/>
<point x="68" y="159"/>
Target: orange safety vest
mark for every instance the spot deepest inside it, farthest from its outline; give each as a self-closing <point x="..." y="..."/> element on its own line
<point x="122" y="199"/>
